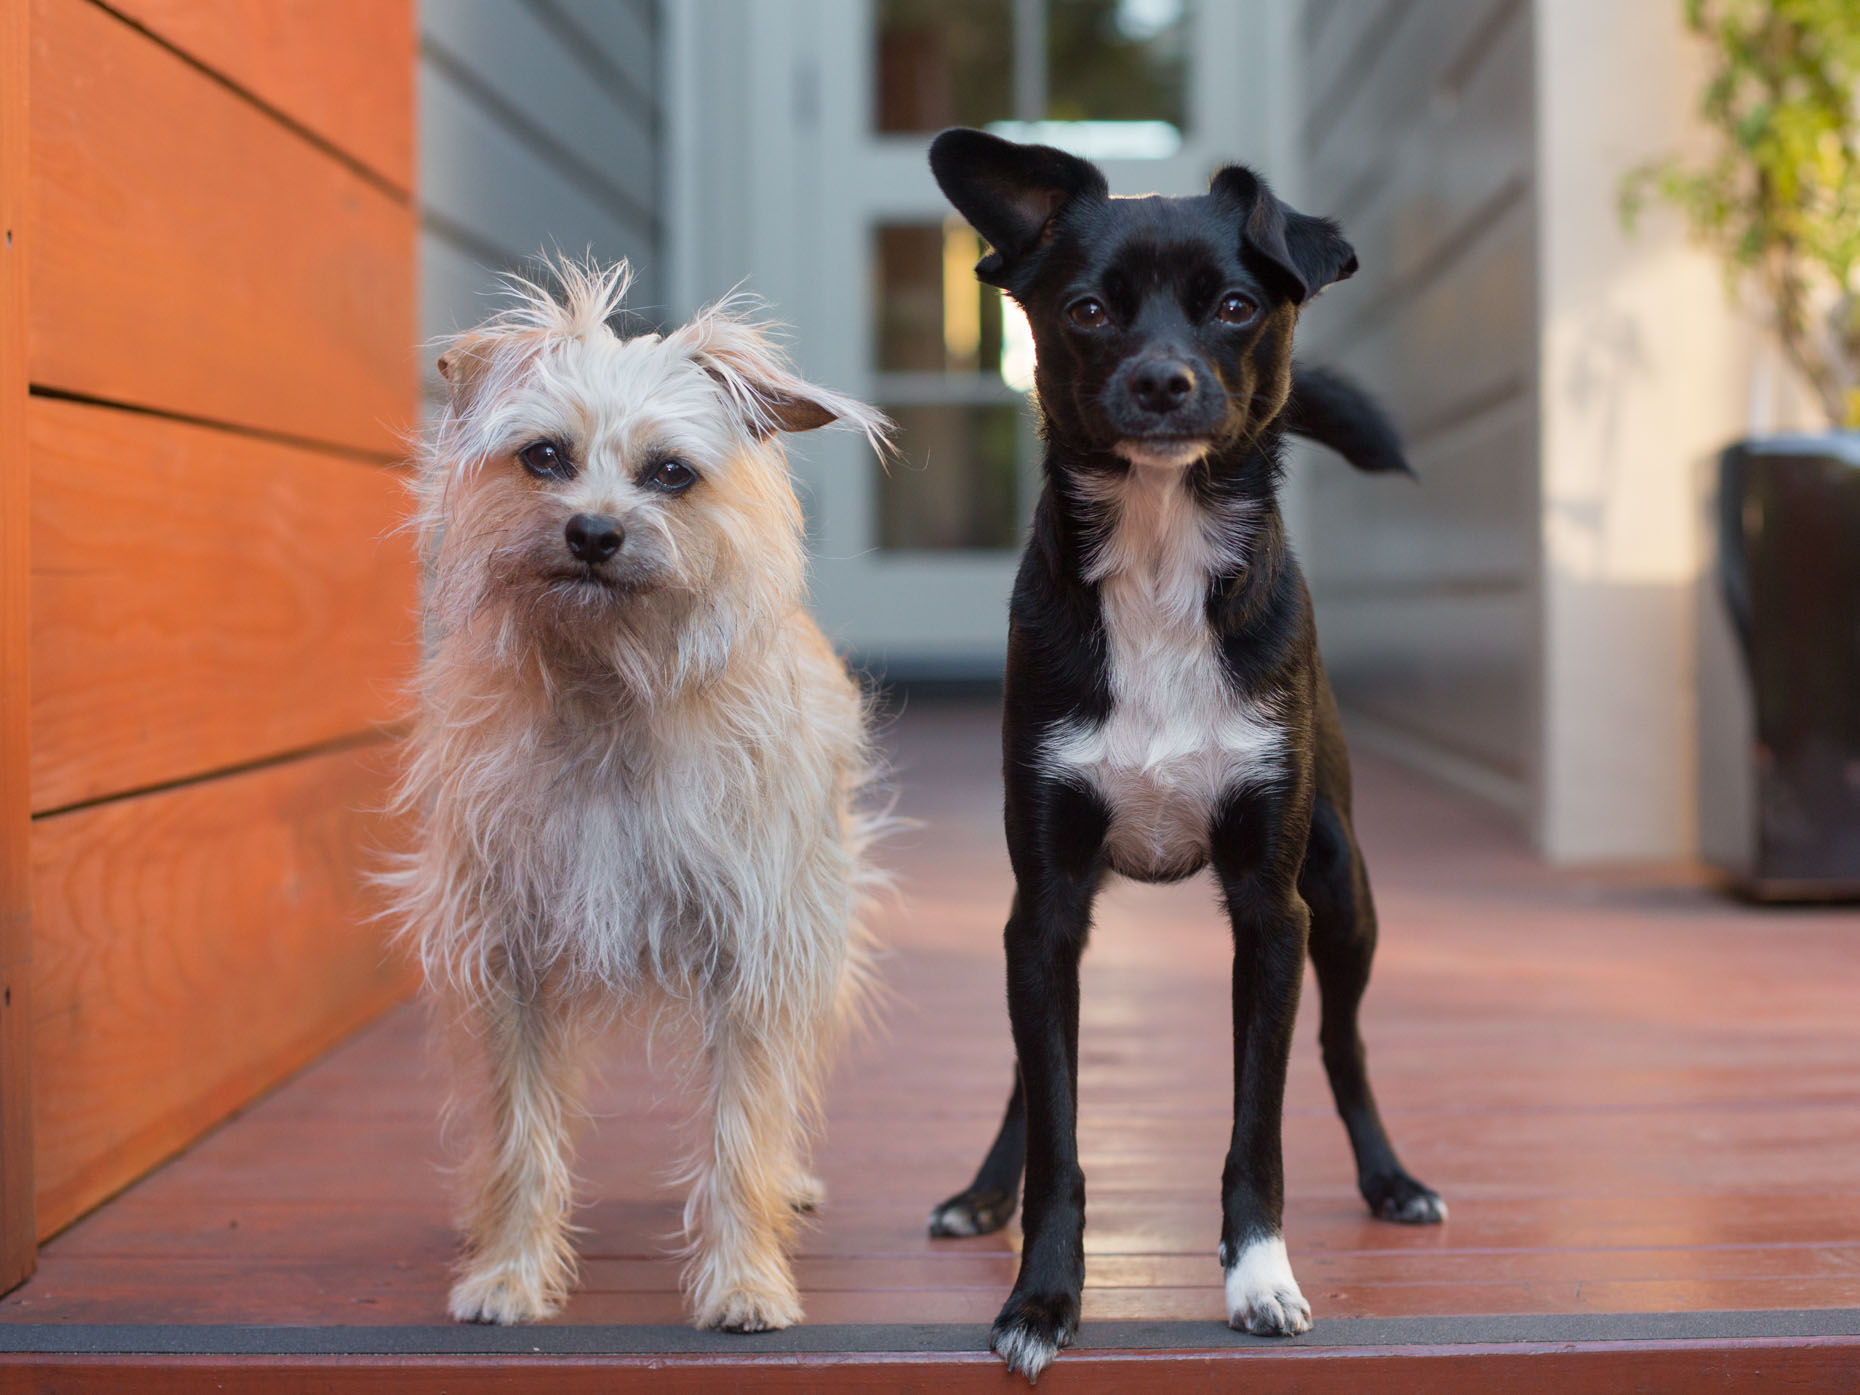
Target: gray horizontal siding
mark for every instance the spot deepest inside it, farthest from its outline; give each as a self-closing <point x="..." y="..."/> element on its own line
<point x="540" y="132"/>
<point x="1418" y="138"/>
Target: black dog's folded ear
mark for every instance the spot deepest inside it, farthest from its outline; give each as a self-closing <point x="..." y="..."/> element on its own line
<point x="1008" y="192"/>
<point x="1303" y="253"/>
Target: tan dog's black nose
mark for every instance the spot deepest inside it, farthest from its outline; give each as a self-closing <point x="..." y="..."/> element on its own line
<point x="594" y="537"/>
<point x="1163" y="385"/>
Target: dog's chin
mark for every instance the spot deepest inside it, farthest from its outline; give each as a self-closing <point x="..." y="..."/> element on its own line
<point x="1164" y="453"/>
<point x="587" y="586"/>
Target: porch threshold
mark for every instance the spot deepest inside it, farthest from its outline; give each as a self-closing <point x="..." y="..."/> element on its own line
<point x="1547" y="1354"/>
<point x="858" y="1339"/>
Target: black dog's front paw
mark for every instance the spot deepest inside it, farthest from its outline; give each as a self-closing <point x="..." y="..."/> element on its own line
<point x="1033" y="1328"/>
<point x="978" y="1211"/>
<point x="1401" y="1199"/>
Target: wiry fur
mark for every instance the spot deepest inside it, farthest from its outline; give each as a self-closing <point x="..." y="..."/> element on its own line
<point x="634" y="781"/>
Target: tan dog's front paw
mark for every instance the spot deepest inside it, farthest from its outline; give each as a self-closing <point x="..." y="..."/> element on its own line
<point x="750" y="1309"/>
<point x="503" y="1294"/>
<point x="806" y="1193"/>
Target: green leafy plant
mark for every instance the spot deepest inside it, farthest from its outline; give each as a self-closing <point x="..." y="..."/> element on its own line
<point x="1780" y="198"/>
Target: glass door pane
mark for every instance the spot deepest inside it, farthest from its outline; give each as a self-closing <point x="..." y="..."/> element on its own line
<point x="943" y="63"/>
<point x="938" y="340"/>
<point x="1117" y="60"/>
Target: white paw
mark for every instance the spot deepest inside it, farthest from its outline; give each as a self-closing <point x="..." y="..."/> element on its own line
<point x="1262" y="1295"/>
<point x="503" y="1294"/>
<point x="1027" y="1349"/>
<point x="953" y="1218"/>
<point x="1031" y="1331"/>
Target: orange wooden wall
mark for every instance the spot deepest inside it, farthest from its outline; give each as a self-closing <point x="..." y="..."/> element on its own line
<point x="16" y="1189"/>
<point x="218" y="334"/>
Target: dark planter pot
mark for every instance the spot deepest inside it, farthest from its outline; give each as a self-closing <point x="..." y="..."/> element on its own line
<point x="1780" y="671"/>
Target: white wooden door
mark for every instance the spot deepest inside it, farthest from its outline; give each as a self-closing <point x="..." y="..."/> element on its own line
<point x="845" y="230"/>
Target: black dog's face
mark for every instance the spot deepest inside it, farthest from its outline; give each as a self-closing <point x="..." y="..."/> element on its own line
<point x="1163" y="327"/>
<point x="1154" y="339"/>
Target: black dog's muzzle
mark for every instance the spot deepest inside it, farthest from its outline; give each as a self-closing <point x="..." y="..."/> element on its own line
<point x="1164" y="394"/>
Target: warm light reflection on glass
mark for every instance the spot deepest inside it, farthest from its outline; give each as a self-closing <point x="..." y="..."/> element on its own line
<point x="962" y="309"/>
<point x="1016" y="347"/>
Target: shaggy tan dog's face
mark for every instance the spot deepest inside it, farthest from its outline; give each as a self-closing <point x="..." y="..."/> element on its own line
<point x="613" y="474"/>
<point x="623" y="498"/>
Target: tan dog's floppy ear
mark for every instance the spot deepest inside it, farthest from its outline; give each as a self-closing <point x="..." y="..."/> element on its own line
<point x="464" y="364"/>
<point x="478" y="360"/>
<point x="754" y="373"/>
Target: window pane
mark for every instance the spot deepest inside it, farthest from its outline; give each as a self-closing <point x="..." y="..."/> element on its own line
<point x="944" y="63"/>
<point x="955" y="483"/>
<point x="933" y="316"/>
<point x="1117" y="60"/>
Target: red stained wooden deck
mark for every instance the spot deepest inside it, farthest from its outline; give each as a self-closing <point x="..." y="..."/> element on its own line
<point x="1641" y="1101"/>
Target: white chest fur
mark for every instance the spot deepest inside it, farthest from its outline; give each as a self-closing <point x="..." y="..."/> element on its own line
<point x="1179" y="738"/>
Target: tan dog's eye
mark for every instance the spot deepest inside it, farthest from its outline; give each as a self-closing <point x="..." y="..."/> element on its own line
<point x="1236" y="310"/>
<point x="546" y="460"/>
<point x="672" y="476"/>
<point x="1088" y="314"/>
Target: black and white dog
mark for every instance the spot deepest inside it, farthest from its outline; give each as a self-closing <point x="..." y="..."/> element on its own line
<point x="1166" y="708"/>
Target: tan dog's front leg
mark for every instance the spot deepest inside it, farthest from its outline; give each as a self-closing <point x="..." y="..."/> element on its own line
<point x="519" y="1261"/>
<point x="742" y="1210"/>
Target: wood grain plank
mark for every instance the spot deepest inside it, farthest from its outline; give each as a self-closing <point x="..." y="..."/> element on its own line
<point x="16" y="1183"/>
<point x="1648" y="1368"/>
<point x="340" y="68"/>
<point x="210" y="263"/>
<point x="1636" y="1096"/>
<point x="202" y="599"/>
<point x="194" y="947"/>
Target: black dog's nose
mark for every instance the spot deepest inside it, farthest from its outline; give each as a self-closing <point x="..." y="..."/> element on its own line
<point x="593" y="537"/>
<point x="1162" y="385"/>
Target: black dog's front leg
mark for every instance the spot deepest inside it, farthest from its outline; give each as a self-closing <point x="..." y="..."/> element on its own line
<point x="1055" y="864"/>
<point x="1271" y="926"/>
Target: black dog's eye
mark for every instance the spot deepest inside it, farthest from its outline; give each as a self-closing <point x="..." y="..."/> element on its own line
<point x="1088" y="313"/>
<point x="546" y="460"/>
<point x="1236" y="310"/>
<point x="672" y="476"/>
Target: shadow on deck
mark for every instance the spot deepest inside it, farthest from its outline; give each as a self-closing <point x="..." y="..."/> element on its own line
<point x="1641" y="1101"/>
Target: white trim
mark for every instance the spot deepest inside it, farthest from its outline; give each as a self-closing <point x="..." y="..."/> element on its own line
<point x="678" y="109"/>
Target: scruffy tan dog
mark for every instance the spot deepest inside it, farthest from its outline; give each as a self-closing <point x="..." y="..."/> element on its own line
<point x="636" y="772"/>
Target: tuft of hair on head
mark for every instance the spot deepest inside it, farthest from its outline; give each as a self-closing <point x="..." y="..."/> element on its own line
<point x="735" y="342"/>
<point x="584" y="297"/>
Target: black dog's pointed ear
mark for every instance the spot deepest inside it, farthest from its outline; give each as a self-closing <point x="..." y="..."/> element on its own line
<point x="1008" y="192"/>
<point x="1303" y="253"/>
